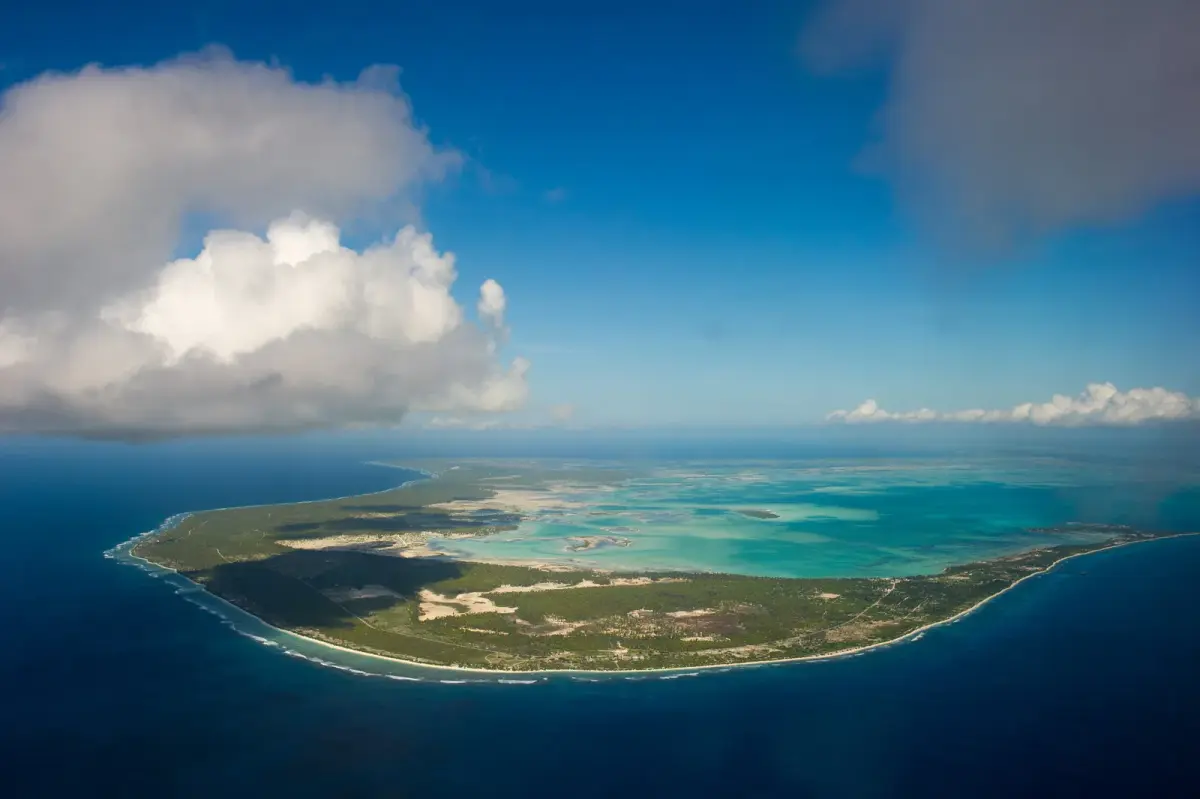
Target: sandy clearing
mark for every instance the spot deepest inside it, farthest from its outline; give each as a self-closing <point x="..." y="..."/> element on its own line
<point x="396" y="545"/>
<point x="435" y="606"/>
<point x="544" y="586"/>
<point x="644" y="580"/>
<point x="562" y="626"/>
<point x="520" y="500"/>
<point x="431" y="611"/>
<point x="827" y="595"/>
<point x="691" y="614"/>
<point x="585" y="583"/>
<point x="346" y="540"/>
<point x="529" y="563"/>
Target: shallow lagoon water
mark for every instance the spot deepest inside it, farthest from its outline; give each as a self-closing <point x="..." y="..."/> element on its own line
<point x="1081" y="682"/>
<point x="881" y="519"/>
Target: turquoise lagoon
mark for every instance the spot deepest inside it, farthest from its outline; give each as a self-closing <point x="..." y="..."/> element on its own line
<point x="836" y="518"/>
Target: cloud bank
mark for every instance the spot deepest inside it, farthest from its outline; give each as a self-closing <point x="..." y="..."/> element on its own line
<point x="1099" y="404"/>
<point x="102" y="333"/>
<point x="1011" y="118"/>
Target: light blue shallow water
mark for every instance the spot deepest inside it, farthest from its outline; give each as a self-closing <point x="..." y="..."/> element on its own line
<point x="1079" y="683"/>
<point x="834" y="519"/>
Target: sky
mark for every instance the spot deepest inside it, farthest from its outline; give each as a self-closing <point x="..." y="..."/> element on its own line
<point x="690" y="213"/>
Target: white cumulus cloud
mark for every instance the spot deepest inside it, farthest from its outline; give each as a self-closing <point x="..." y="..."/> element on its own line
<point x="492" y="303"/>
<point x="98" y="167"/>
<point x="1099" y="404"/>
<point x="103" y="333"/>
<point x="290" y="331"/>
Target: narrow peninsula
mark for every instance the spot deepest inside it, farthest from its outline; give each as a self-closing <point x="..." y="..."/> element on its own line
<point x="372" y="573"/>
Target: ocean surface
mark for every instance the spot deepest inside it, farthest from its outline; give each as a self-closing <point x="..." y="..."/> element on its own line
<point x="1080" y="682"/>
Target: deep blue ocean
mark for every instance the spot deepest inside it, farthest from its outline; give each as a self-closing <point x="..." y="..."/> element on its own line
<point x="1083" y="682"/>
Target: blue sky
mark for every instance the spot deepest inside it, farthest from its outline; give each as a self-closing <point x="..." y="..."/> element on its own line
<point x="668" y="194"/>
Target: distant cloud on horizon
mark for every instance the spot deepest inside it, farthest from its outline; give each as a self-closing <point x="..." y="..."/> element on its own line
<point x="1099" y="404"/>
<point x="556" y="416"/>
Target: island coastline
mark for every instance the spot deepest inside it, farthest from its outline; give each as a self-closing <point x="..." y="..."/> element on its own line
<point x="126" y="549"/>
<point x="846" y="653"/>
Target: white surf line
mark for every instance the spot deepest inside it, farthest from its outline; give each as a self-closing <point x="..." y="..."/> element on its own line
<point x="841" y="653"/>
<point x="910" y="635"/>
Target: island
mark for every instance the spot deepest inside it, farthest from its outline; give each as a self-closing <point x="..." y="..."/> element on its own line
<point x="583" y="543"/>
<point x="759" y="514"/>
<point x="375" y="574"/>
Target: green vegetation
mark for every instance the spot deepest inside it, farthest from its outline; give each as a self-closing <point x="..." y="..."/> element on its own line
<point x="358" y="572"/>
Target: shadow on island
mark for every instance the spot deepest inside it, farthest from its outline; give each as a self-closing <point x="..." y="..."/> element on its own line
<point x="413" y="521"/>
<point x="329" y="589"/>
